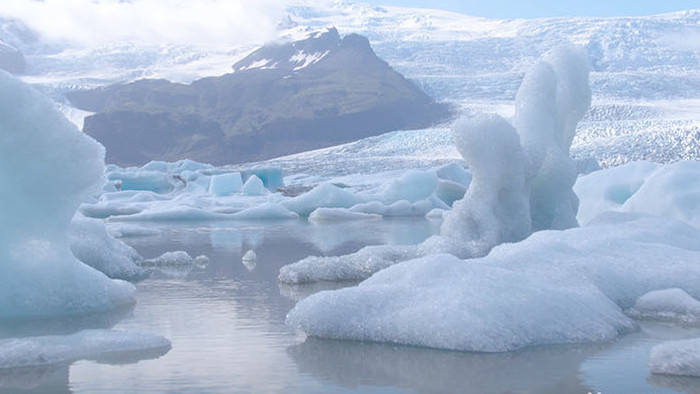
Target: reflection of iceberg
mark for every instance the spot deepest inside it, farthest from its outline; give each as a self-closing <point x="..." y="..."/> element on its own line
<point x="353" y="364"/>
<point x="47" y="167"/>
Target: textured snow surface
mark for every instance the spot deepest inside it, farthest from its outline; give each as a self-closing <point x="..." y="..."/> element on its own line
<point x="676" y="358"/>
<point x="554" y="287"/>
<point x="93" y="245"/>
<point x="673" y="305"/>
<point x="47" y="167"/>
<point x="87" y="344"/>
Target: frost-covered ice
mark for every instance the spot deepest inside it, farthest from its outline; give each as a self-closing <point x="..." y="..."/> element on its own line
<point x="87" y="344"/>
<point x="340" y="214"/>
<point x="93" y="245"/>
<point x="554" y="287"/>
<point x="249" y="260"/>
<point x="178" y="258"/>
<point x="671" y="191"/>
<point x="674" y="305"/>
<point x="48" y="167"/>
<point x="608" y="190"/>
<point x="680" y="358"/>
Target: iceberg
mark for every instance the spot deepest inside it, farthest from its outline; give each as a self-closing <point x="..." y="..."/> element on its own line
<point x="61" y="349"/>
<point x="555" y="287"/>
<point x="674" y="305"/>
<point x="521" y="175"/>
<point x="681" y="358"/>
<point x="48" y="168"/>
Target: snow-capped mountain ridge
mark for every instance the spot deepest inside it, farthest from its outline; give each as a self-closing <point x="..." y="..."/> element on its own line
<point x="637" y="63"/>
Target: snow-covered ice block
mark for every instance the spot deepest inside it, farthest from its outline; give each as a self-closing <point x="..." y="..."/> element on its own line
<point x="443" y="302"/>
<point x="48" y="167"/>
<point x="225" y="184"/>
<point x="449" y="191"/>
<point x="454" y="172"/>
<point x="609" y="189"/>
<point x="406" y="208"/>
<point x="249" y="260"/>
<point x="176" y="259"/>
<point x="154" y="181"/>
<point x="267" y="211"/>
<point x="254" y="186"/>
<point x="671" y="191"/>
<point x="272" y="177"/>
<point x="413" y="185"/>
<point x="325" y="195"/>
<point x="673" y="305"/>
<point x="555" y="287"/>
<point x="87" y="344"/>
<point x="680" y="358"/>
<point x="93" y="245"/>
<point x="352" y="267"/>
<point x="340" y="214"/>
<point x="371" y="207"/>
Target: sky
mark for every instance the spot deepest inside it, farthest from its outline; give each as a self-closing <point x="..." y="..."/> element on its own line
<point x="546" y="8"/>
<point x="229" y="22"/>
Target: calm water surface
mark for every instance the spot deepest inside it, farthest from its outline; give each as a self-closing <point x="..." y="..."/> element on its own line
<point x="226" y="324"/>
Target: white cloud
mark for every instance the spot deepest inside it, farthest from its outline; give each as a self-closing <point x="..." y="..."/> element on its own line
<point x="90" y="22"/>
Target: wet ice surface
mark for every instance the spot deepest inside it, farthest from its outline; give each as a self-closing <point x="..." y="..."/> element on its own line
<point x="226" y="325"/>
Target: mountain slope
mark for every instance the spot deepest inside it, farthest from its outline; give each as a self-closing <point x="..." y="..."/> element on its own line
<point x="281" y="99"/>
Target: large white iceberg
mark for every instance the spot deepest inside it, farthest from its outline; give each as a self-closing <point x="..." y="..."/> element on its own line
<point x="681" y="358"/>
<point x="48" y="167"/>
<point x="554" y="287"/>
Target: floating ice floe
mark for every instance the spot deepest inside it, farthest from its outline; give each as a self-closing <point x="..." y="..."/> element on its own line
<point x="555" y="287"/>
<point x="674" y="305"/>
<point x="680" y="358"/>
<point x="48" y="168"/>
<point x="87" y="344"/>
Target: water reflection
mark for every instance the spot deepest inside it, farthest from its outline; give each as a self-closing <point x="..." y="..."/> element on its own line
<point x="63" y="325"/>
<point x="681" y="384"/>
<point x="353" y="364"/>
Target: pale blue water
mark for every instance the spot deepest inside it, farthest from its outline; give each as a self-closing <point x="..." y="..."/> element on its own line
<point x="226" y="323"/>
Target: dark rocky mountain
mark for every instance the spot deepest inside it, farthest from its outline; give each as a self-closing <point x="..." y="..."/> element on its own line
<point x="280" y="99"/>
<point x="11" y="59"/>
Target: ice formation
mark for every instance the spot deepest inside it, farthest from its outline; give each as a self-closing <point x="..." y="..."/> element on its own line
<point x="608" y="190"/>
<point x="495" y="208"/>
<point x="680" y="358"/>
<point x="671" y="191"/>
<point x="48" y="168"/>
<point x="554" y="287"/>
<point x="56" y="349"/>
<point x="225" y="184"/>
<point x="93" y="245"/>
<point x="521" y="173"/>
<point x="674" y="305"/>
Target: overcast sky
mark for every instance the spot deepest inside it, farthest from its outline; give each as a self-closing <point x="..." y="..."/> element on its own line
<point x="543" y="8"/>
